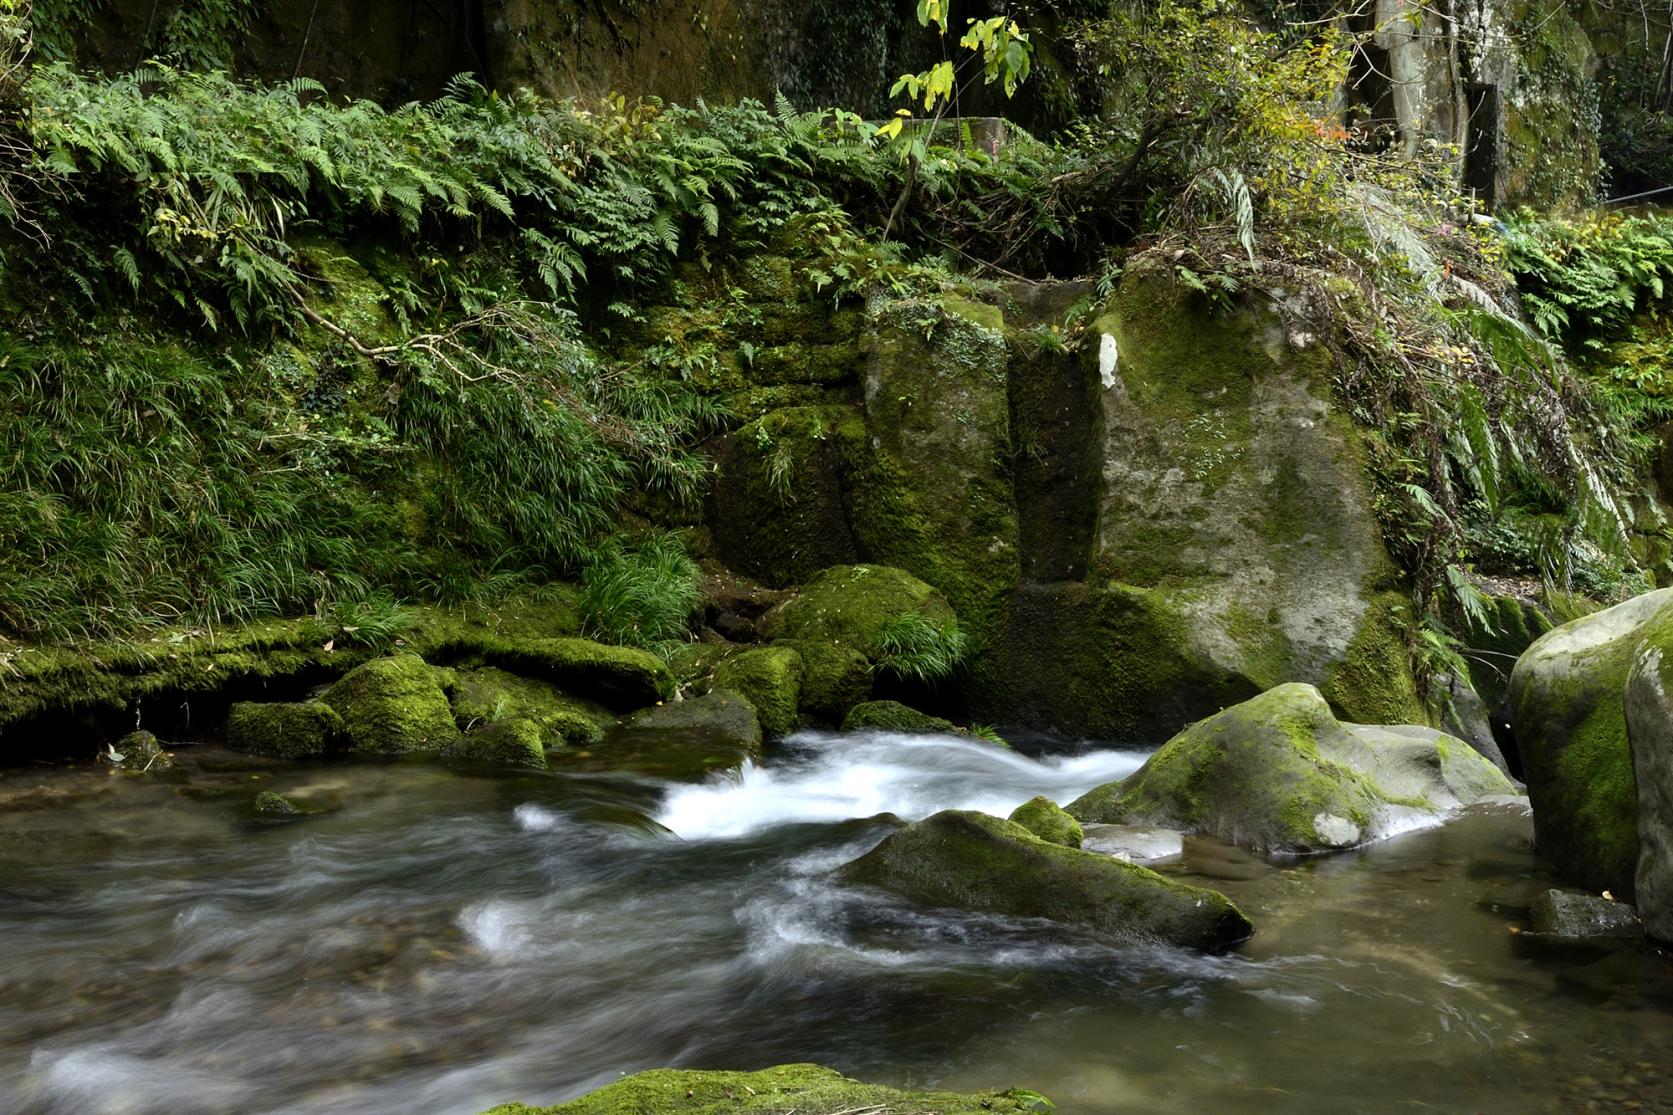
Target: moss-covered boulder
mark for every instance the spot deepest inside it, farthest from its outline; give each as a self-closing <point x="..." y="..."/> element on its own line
<point x="1233" y="544"/>
<point x="284" y="729"/>
<point x="489" y="694"/>
<point x="513" y="741"/>
<point x="776" y="509"/>
<point x="835" y="677"/>
<point x="977" y="862"/>
<point x="1280" y="773"/>
<point x="1649" y="716"/>
<point x="928" y="471"/>
<point x="852" y="605"/>
<point x="786" y="1089"/>
<point x="393" y="706"/>
<point x="687" y="740"/>
<point x="892" y="716"/>
<point x="140" y="752"/>
<point x="1047" y="820"/>
<point x="621" y="678"/>
<point x="1568" y="712"/>
<point x="770" y="678"/>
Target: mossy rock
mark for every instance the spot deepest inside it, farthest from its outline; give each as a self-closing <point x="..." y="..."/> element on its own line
<point x="892" y="716"/>
<point x="1649" y="715"/>
<point x="784" y="1090"/>
<point x="276" y="806"/>
<point x="776" y="509"/>
<point x="770" y="678"/>
<point x="513" y="741"/>
<point x="1512" y="627"/>
<point x="977" y="862"/>
<point x="140" y="753"/>
<point x="1279" y="773"/>
<point x="835" y="677"/>
<point x="686" y="740"/>
<point x="852" y="604"/>
<point x="621" y="678"/>
<point x="490" y="694"/>
<point x="393" y="706"/>
<point x="284" y="729"/>
<point x="1047" y="820"/>
<point x="1568" y="714"/>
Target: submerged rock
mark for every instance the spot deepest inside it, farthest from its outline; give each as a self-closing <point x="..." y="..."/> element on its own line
<point x="1045" y="819"/>
<point x="892" y="716"/>
<point x="393" y="706"/>
<point x="1568" y="703"/>
<point x="722" y="713"/>
<point x="770" y="679"/>
<point x="269" y="804"/>
<point x="1280" y="773"/>
<point x="284" y="729"/>
<point x="1569" y="916"/>
<point x="971" y="860"/>
<point x="515" y="741"/>
<point x="806" y="1089"/>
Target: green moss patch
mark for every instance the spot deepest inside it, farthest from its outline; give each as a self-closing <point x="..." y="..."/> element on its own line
<point x="284" y="729"/>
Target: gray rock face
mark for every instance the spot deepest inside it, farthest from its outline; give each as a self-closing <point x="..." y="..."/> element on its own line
<point x="971" y="860"/>
<point x="1568" y="708"/>
<point x="1649" y="719"/>
<point x="1280" y="773"/>
<point x="1569" y="916"/>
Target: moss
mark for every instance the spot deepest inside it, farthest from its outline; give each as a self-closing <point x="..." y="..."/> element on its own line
<point x="1047" y="820"/>
<point x="835" y="677"/>
<point x="619" y="677"/>
<point x="776" y="510"/>
<point x="973" y="861"/>
<point x="393" y="706"/>
<point x="851" y="605"/>
<point x="269" y="804"/>
<point x="770" y="678"/>
<point x="1372" y="682"/>
<point x="285" y="729"/>
<point x="141" y="753"/>
<point x="513" y="741"/>
<point x="1600" y="796"/>
<point x="1252" y="775"/>
<point x="489" y="694"/>
<point x="690" y="740"/>
<point x="892" y="716"/>
<point x="786" y="1089"/>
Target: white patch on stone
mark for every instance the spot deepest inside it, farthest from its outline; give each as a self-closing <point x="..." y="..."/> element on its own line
<point x="1336" y="831"/>
<point x="1108" y="358"/>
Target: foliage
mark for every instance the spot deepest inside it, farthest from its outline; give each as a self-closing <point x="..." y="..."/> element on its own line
<point x="914" y="646"/>
<point x="642" y="595"/>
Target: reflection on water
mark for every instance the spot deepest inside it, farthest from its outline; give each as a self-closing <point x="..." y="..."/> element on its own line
<point x="440" y="943"/>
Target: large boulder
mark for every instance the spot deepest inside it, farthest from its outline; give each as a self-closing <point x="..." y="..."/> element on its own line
<point x="1280" y="773"/>
<point x="978" y="862"/>
<point x="1233" y="544"/>
<point x="394" y="706"/>
<point x="807" y="1089"/>
<point x="1568" y="706"/>
<point x="770" y="678"/>
<point x="1649" y="717"/>
<point x="623" y="678"/>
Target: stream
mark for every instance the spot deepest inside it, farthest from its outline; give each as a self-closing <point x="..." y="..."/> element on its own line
<point x="440" y="942"/>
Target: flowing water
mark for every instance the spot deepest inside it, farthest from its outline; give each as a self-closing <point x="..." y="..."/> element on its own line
<point x="439" y="942"/>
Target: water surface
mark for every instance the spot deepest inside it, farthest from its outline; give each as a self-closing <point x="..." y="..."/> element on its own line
<point x="442" y="942"/>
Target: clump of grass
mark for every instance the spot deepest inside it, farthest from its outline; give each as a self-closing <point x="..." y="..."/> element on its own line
<point x="643" y="595"/>
<point x="914" y="647"/>
<point x="376" y="622"/>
